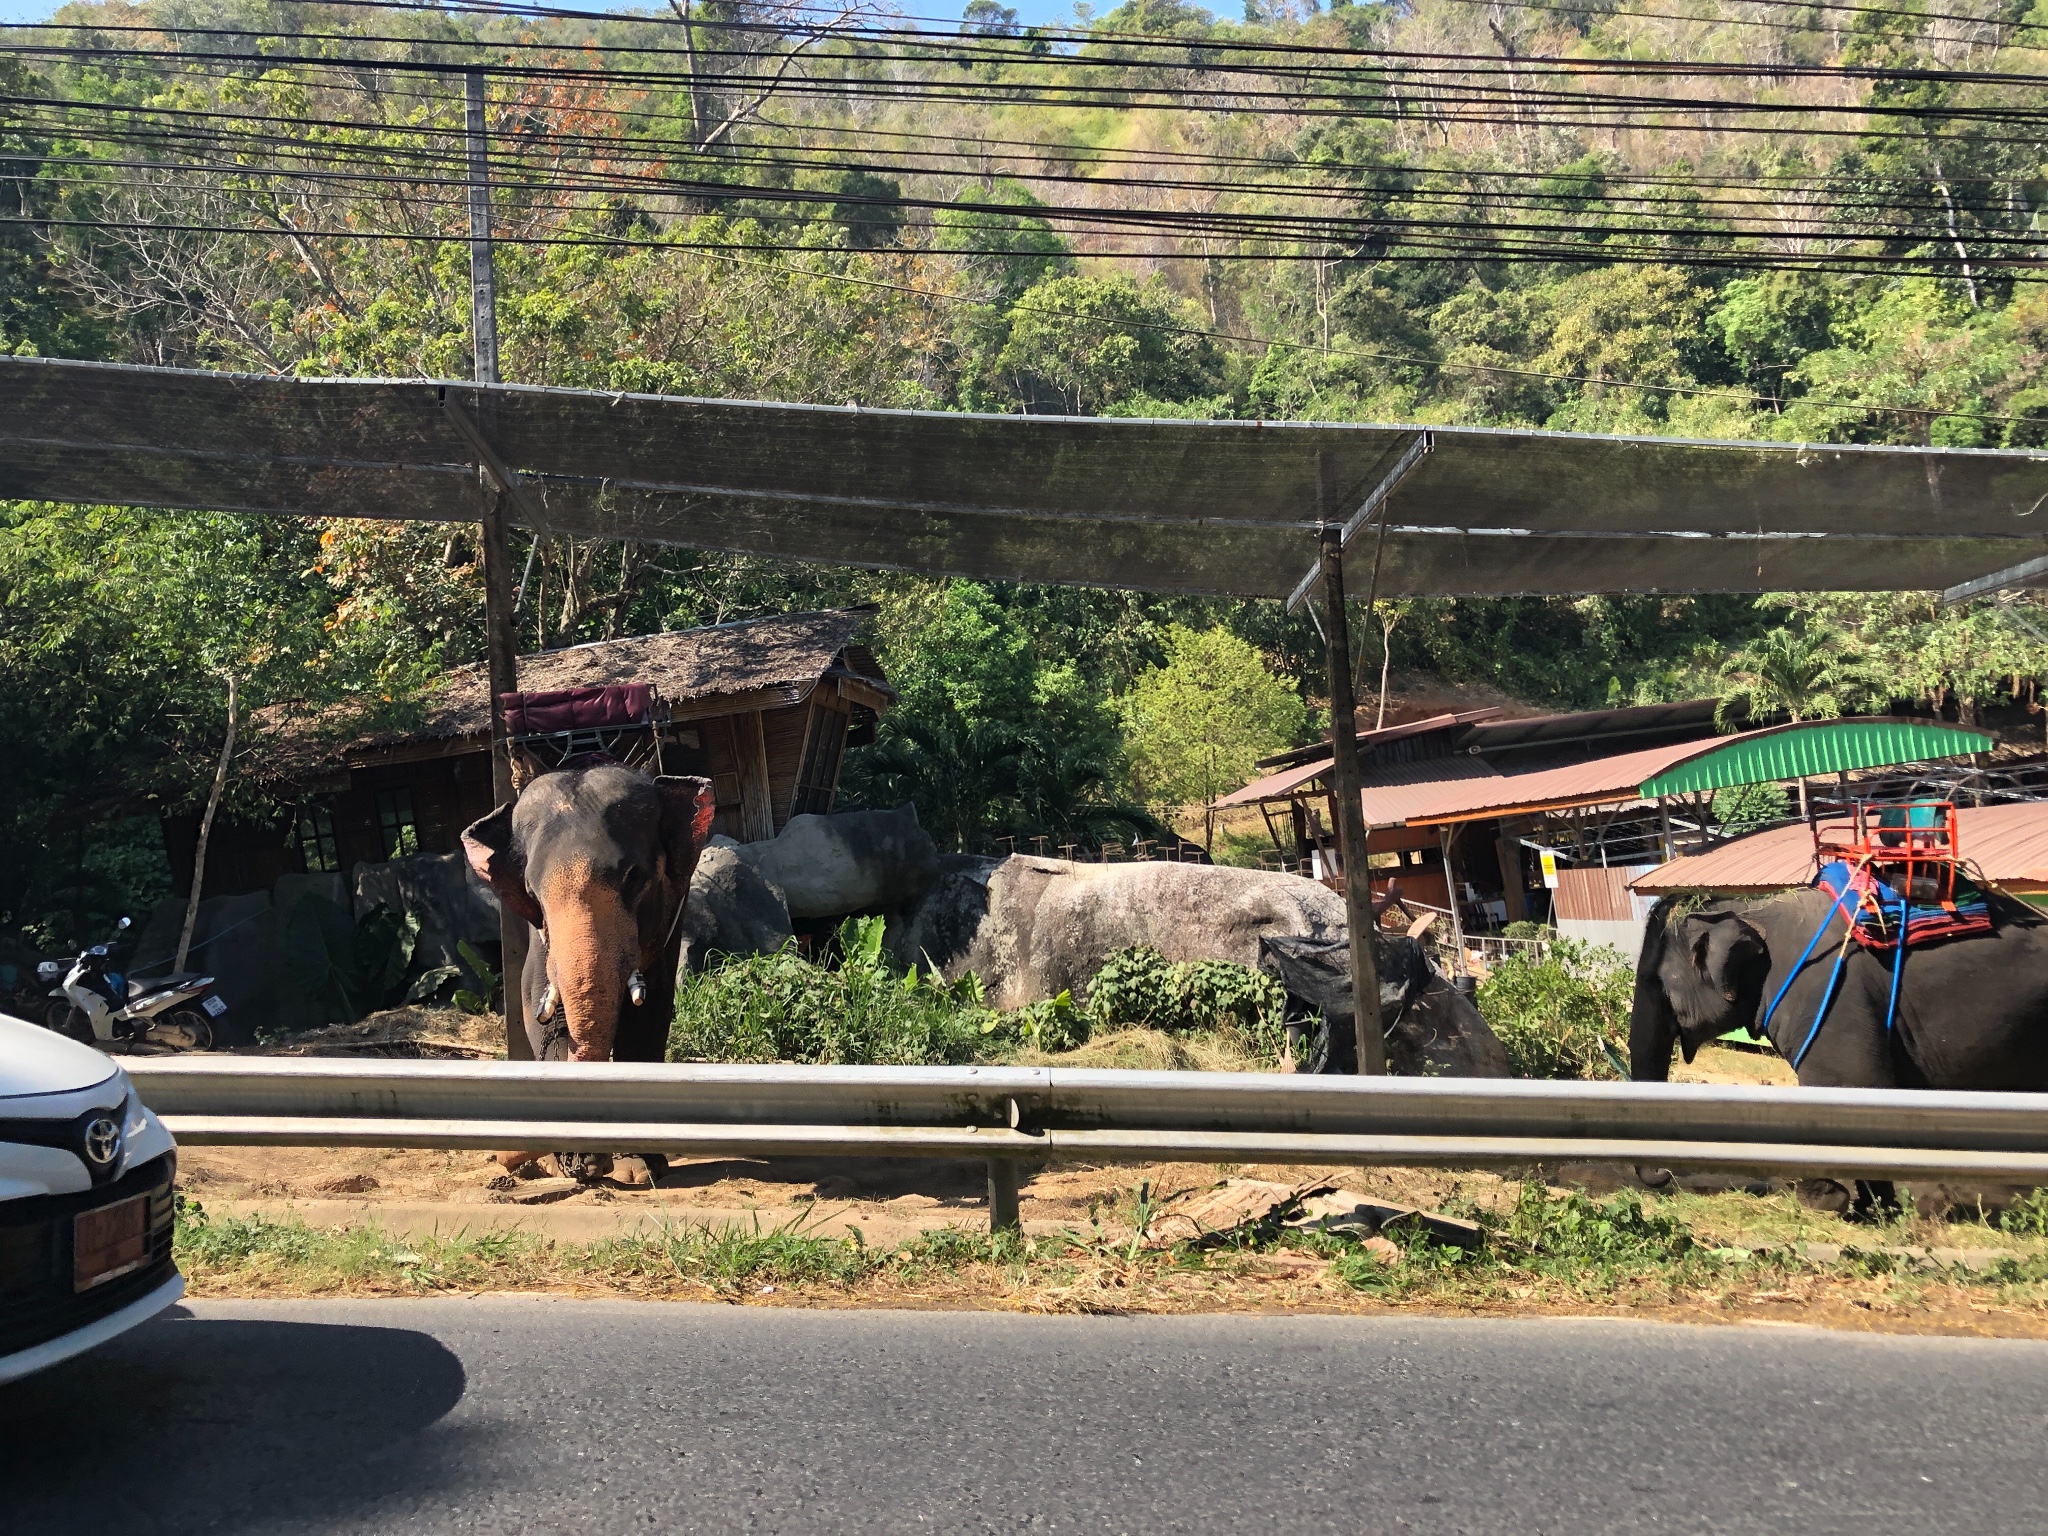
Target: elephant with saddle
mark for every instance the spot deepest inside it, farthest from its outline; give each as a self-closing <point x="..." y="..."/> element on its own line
<point x="1972" y="1010"/>
<point x="597" y="858"/>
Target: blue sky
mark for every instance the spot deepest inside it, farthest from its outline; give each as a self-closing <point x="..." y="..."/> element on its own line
<point x="1031" y="12"/>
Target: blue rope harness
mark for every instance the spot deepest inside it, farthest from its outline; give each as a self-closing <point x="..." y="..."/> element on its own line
<point x="1761" y="1031"/>
<point x="1834" y="977"/>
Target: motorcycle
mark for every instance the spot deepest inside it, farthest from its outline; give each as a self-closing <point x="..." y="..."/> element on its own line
<point x="98" y="1005"/>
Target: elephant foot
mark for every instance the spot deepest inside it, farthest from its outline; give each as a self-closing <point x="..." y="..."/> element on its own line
<point x="641" y="1170"/>
<point x="584" y="1167"/>
<point x="1876" y="1200"/>
<point x="1824" y="1195"/>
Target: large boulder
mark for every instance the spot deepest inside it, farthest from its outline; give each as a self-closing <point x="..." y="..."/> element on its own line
<point x="1033" y="928"/>
<point x="854" y="861"/>
<point x="733" y="909"/>
<point x="442" y="891"/>
<point x="235" y="941"/>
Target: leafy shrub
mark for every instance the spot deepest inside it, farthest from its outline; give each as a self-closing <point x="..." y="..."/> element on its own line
<point x="1053" y="1024"/>
<point x="1576" y="1232"/>
<point x="783" y="1007"/>
<point x="1140" y="987"/>
<point x="1559" y="1013"/>
<point x="351" y="967"/>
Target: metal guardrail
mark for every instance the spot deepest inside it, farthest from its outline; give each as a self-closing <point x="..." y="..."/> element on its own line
<point x="1013" y="1114"/>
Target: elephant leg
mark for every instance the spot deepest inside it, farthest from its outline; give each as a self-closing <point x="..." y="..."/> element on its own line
<point x="1876" y="1200"/>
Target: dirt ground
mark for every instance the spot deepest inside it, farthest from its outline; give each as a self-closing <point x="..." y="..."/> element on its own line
<point x="878" y="1187"/>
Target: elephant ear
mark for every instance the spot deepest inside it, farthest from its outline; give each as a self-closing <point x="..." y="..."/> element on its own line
<point x="687" y="809"/>
<point x="488" y="845"/>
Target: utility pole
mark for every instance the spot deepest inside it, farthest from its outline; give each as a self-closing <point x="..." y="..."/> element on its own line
<point x="1359" y="919"/>
<point x="501" y="642"/>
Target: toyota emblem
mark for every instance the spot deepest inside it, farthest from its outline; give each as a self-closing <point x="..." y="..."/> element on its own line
<point x="103" y="1141"/>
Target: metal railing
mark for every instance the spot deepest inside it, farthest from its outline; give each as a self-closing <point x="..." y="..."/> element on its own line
<point x="1013" y="1114"/>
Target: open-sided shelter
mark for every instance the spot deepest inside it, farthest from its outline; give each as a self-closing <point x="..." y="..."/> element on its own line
<point x="763" y="708"/>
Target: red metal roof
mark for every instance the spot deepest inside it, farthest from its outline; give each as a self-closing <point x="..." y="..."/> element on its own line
<point x="1392" y="794"/>
<point x="2008" y="843"/>
<point x="1604" y="781"/>
<point x="1275" y="786"/>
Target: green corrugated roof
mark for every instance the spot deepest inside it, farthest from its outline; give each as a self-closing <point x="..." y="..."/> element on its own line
<point x="1813" y="749"/>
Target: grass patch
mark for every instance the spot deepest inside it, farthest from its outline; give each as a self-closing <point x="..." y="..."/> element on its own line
<point x="1545" y="1251"/>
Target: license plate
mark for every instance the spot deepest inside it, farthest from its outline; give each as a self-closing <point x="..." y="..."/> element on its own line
<point x="213" y="1006"/>
<point x="109" y="1242"/>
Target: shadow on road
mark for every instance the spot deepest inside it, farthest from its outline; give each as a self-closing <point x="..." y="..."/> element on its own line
<point x="228" y="1425"/>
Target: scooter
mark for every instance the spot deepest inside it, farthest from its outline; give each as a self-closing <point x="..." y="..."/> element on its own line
<point x="97" y="1005"/>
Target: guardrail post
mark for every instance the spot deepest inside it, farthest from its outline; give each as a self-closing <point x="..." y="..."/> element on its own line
<point x="1003" y="1215"/>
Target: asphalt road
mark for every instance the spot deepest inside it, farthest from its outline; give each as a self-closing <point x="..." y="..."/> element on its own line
<point x="538" y="1416"/>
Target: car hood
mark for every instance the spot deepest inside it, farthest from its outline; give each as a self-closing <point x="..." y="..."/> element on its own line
<point x="41" y="1061"/>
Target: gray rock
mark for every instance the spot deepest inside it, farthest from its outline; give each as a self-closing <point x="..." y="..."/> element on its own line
<point x="733" y="909"/>
<point x="941" y="928"/>
<point x="1032" y="927"/>
<point x="286" y="891"/>
<point x="856" y="861"/>
<point x="156" y="940"/>
<point x="235" y="941"/>
<point x="440" y="890"/>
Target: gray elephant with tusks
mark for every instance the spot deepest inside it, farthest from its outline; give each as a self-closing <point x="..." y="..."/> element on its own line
<point x="597" y="858"/>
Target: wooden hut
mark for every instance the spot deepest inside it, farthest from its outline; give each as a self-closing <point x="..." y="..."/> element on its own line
<point x="764" y="708"/>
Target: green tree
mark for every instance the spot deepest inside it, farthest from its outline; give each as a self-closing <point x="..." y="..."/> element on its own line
<point x="1086" y="345"/>
<point x="1197" y="725"/>
<point x="1808" y="675"/>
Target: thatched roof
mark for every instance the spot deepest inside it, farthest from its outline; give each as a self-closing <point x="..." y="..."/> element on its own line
<point x="748" y="664"/>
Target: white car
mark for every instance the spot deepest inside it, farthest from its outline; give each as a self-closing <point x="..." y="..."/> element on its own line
<point x="85" y="1201"/>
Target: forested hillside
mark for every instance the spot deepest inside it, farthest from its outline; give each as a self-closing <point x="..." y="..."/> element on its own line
<point x="1724" y="218"/>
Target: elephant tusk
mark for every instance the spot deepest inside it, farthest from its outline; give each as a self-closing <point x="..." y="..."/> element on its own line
<point x="546" y="1010"/>
<point x="636" y="988"/>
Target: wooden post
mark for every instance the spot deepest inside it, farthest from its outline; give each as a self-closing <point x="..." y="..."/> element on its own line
<point x="501" y="641"/>
<point x="1350" y="811"/>
<point x="1514" y="891"/>
<point x="757" y="801"/>
<point x="1003" y="1208"/>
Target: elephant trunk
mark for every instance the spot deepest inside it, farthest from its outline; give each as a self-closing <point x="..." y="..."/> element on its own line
<point x="593" y="947"/>
<point x="1652" y="1024"/>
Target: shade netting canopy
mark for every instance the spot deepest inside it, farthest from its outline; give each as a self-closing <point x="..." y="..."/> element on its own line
<point x="1227" y="508"/>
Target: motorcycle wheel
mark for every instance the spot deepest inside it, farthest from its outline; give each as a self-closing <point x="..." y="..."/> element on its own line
<point x="186" y="1029"/>
<point x="69" y="1020"/>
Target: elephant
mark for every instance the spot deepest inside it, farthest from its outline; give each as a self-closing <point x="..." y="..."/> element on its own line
<point x="1972" y="1010"/>
<point x="597" y="858"/>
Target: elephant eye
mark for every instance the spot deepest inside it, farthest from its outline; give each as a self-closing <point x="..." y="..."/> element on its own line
<point x="632" y="882"/>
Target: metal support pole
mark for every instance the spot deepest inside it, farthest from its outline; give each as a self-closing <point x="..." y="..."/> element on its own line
<point x="501" y="642"/>
<point x="1444" y="837"/>
<point x="1350" y="809"/>
<point x="1003" y="1213"/>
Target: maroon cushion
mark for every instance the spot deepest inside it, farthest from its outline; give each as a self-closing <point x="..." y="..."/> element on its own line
<point x="578" y="709"/>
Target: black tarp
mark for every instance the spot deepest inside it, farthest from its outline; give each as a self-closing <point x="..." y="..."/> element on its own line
<point x="1168" y="506"/>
